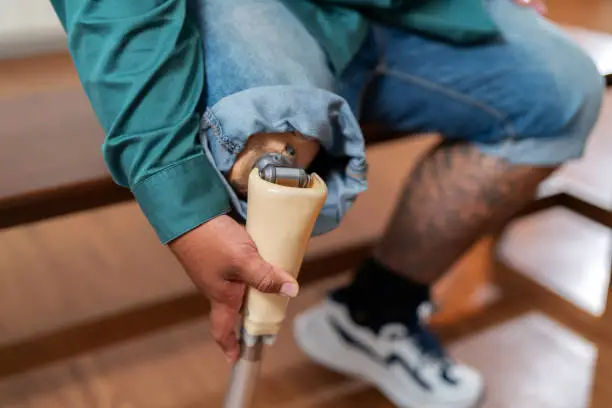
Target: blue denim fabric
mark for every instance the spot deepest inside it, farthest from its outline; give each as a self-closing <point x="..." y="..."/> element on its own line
<point x="531" y="98"/>
<point x="265" y="73"/>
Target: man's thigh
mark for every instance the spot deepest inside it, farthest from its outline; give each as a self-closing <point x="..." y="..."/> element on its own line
<point x="532" y="97"/>
<point x="257" y="43"/>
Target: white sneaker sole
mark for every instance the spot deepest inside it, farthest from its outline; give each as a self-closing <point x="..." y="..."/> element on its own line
<point x="318" y="340"/>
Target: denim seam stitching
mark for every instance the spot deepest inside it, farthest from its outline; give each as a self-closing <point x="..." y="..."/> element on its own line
<point x="458" y="96"/>
<point x="214" y="125"/>
<point x="380" y="56"/>
<point x="211" y="126"/>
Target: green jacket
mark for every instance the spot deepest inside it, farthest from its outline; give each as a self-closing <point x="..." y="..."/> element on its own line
<point x="141" y="65"/>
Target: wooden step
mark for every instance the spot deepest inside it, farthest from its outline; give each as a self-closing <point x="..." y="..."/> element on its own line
<point x="588" y="178"/>
<point x="563" y="252"/>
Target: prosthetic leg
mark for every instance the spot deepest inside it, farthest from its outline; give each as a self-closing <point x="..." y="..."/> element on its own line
<point x="283" y="204"/>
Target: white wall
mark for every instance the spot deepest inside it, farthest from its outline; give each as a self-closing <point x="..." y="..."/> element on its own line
<point x="29" y="27"/>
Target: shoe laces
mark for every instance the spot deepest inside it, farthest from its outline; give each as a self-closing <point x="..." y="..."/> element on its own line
<point x="428" y="343"/>
<point x="416" y="331"/>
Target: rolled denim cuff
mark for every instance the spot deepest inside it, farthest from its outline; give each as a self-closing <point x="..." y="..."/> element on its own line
<point x="313" y="112"/>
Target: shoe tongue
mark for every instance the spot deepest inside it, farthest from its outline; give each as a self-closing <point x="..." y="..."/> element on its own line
<point x="412" y="317"/>
<point x="425" y="311"/>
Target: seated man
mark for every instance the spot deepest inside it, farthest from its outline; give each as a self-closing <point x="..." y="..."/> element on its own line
<point x="178" y="85"/>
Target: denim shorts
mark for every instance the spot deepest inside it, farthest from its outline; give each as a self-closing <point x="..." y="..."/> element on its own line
<point x="531" y="97"/>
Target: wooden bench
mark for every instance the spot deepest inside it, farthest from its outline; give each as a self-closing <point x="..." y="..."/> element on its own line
<point x="39" y="183"/>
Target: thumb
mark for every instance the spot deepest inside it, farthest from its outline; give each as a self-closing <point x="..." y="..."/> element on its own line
<point x="267" y="278"/>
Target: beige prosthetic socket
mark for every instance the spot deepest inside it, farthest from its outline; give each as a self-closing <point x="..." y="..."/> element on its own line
<point x="280" y="220"/>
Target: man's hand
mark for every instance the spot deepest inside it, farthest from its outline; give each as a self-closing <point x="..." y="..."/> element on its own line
<point x="222" y="260"/>
<point x="538" y="5"/>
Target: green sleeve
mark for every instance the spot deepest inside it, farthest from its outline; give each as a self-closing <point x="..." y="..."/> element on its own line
<point x="141" y="65"/>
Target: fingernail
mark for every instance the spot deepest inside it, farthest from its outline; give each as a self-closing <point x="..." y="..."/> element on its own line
<point x="289" y="289"/>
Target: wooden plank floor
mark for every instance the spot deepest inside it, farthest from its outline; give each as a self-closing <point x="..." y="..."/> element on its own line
<point x="535" y="352"/>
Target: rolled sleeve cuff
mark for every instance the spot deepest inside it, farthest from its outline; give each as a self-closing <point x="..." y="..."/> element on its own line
<point x="181" y="197"/>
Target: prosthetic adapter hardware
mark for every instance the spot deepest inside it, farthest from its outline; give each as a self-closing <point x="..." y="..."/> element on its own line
<point x="278" y="168"/>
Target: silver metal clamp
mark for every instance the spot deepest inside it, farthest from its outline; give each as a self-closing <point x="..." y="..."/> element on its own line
<point x="278" y="169"/>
